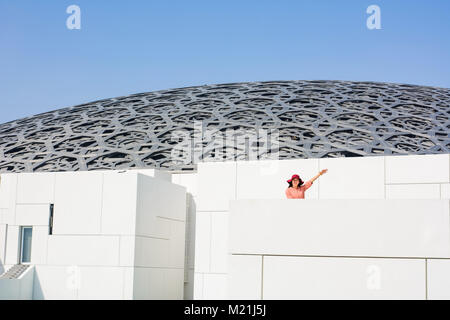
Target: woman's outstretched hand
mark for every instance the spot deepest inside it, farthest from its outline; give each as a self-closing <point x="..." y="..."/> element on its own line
<point x="319" y="174"/>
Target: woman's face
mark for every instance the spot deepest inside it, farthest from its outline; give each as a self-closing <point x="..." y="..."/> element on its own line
<point x="295" y="182"/>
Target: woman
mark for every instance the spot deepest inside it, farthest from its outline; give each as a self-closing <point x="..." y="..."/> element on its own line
<point x="296" y="189"/>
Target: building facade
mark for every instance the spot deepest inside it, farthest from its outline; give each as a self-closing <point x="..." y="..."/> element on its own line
<point x="137" y="198"/>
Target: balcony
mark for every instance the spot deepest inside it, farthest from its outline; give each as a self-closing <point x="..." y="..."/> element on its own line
<point x="338" y="249"/>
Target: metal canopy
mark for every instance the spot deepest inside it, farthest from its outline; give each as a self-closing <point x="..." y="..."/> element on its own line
<point x="314" y="119"/>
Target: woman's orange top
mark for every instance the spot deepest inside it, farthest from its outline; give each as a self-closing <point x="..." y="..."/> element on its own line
<point x="299" y="193"/>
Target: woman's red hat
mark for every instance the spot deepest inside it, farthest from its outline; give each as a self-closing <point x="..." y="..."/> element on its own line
<point x="293" y="177"/>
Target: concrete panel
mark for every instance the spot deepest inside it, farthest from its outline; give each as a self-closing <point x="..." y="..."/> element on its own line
<point x="9" y="289"/>
<point x="128" y="283"/>
<point x="159" y="174"/>
<point x="18" y="289"/>
<point x="3" y="233"/>
<point x="190" y="243"/>
<point x="151" y="252"/>
<point x="266" y="179"/>
<point x="163" y="175"/>
<point x="166" y="199"/>
<point x="187" y="180"/>
<point x="413" y="191"/>
<point x="445" y="191"/>
<point x="83" y="250"/>
<point x="198" y="286"/>
<point x="189" y="286"/>
<point x="191" y="207"/>
<point x="245" y="277"/>
<point x="35" y="188"/>
<point x="343" y="278"/>
<point x="174" y="284"/>
<point x="26" y="281"/>
<point x="127" y="251"/>
<point x="119" y="203"/>
<point x="78" y="203"/>
<point x="101" y="283"/>
<point x="39" y="245"/>
<point x="149" y="225"/>
<point x="9" y="215"/>
<point x="219" y="242"/>
<point x="56" y="283"/>
<point x="175" y="178"/>
<point x="215" y="286"/>
<point x="158" y="198"/>
<point x="380" y="228"/>
<point x="12" y="245"/>
<point x="8" y="187"/>
<point x="216" y="185"/>
<point x="417" y="169"/>
<point x="352" y="178"/>
<point x="150" y="284"/>
<point x="177" y="244"/>
<point x="190" y="240"/>
<point x="202" y="242"/>
<point x="438" y="273"/>
<point x="32" y="214"/>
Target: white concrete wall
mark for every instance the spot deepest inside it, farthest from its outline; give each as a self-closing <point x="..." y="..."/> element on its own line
<point x="245" y="277"/>
<point x="12" y="245"/>
<point x="339" y="249"/>
<point x="8" y="190"/>
<point x="78" y="202"/>
<point x="206" y="223"/>
<point x="109" y="227"/>
<point x="160" y="240"/>
<point x="3" y="230"/>
<point x="18" y="289"/>
<point x="216" y="183"/>
<point x="332" y="227"/>
<point x="343" y="278"/>
<point x="190" y="182"/>
<point x="35" y="188"/>
<point x="438" y="279"/>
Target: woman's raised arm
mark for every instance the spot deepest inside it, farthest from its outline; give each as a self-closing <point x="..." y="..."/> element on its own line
<point x="319" y="174"/>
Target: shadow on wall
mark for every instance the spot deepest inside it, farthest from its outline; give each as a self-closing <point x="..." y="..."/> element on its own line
<point x="2" y="268"/>
<point x="37" y="289"/>
<point x="190" y="247"/>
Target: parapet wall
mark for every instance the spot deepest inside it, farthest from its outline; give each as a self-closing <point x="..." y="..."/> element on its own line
<point x="338" y="249"/>
<point x="217" y="183"/>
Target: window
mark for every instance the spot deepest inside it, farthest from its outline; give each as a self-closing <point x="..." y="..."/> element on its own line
<point x="50" y="222"/>
<point x="25" y="247"/>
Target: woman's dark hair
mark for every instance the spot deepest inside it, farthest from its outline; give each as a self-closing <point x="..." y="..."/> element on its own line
<point x="299" y="184"/>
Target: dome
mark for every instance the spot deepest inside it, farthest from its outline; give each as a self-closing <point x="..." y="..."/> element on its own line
<point x="313" y="119"/>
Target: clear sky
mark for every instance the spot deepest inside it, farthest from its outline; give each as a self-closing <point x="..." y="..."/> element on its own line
<point x="126" y="47"/>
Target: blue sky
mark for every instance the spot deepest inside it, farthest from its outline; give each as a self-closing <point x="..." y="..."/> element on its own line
<point x="127" y="47"/>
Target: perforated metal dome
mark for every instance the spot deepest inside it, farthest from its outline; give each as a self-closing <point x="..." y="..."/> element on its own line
<point x="314" y="119"/>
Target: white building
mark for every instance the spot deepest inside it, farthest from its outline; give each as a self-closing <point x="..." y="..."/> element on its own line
<point x="92" y="235"/>
<point x="370" y="228"/>
<point x="83" y="214"/>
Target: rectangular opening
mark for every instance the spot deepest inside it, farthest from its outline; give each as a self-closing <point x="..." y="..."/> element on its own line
<point x="50" y="222"/>
<point x="26" y="234"/>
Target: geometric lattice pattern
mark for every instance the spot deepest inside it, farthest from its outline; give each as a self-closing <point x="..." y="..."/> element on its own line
<point x="314" y="119"/>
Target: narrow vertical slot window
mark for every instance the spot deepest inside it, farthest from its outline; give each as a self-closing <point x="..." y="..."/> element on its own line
<point x="50" y="222"/>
